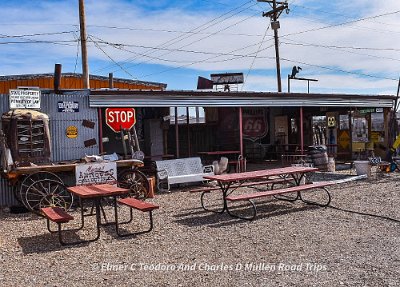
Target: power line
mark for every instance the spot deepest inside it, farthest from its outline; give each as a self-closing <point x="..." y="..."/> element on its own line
<point x="342" y="24"/>
<point x="201" y="39"/>
<point x="38" y="34"/>
<point x="255" y="57"/>
<point x="108" y="56"/>
<point x="339" y="47"/>
<point x="172" y="31"/>
<point x="342" y="49"/>
<point x="218" y="54"/>
<point x="338" y="70"/>
<point x="202" y="27"/>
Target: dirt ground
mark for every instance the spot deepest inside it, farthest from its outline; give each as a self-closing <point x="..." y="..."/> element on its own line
<point x="354" y="242"/>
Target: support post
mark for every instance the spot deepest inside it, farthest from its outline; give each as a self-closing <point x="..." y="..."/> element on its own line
<point x="85" y="65"/>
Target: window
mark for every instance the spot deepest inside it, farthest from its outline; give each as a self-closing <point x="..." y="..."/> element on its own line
<point x="196" y="115"/>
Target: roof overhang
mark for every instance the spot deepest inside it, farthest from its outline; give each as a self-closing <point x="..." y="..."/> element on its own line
<point x="233" y="99"/>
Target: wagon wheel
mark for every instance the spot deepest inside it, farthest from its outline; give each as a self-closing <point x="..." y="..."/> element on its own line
<point x="30" y="179"/>
<point x="45" y="193"/>
<point x="136" y="181"/>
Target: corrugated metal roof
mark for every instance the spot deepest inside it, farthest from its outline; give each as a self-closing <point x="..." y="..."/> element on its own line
<point x="233" y="99"/>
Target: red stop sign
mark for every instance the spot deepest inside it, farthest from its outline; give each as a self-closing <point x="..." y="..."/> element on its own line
<point x="117" y="118"/>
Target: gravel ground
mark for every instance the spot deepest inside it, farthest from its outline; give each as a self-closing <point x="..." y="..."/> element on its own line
<point x="353" y="243"/>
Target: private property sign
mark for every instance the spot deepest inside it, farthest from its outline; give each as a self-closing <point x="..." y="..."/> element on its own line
<point x="24" y="99"/>
<point x="117" y="118"/>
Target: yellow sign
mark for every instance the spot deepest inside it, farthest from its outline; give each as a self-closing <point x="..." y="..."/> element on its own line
<point x="72" y="132"/>
<point x="344" y="139"/>
<point x="331" y="122"/>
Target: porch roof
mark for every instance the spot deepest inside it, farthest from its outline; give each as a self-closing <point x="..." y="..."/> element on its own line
<point x="125" y="98"/>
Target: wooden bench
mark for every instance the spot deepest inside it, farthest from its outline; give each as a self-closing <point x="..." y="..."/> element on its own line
<point x="134" y="203"/>
<point x="58" y="215"/>
<point x="181" y="170"/>
<point x="271" y="182"/>
<point x="298" y="189"/>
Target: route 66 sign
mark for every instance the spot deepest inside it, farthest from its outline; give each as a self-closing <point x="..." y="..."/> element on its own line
<point x="255" y="125"/>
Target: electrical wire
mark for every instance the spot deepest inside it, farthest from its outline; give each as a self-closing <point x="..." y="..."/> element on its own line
<point x="342" y="49"/>
<point x="200" y="28"/>
<point x="172" y="31"/>
<point x="338" y="70"/>
<point x="108" y="56"/>
<point x="255" y="57"/>
<point x="201" y="39"/>
<point x="342" y="23"/>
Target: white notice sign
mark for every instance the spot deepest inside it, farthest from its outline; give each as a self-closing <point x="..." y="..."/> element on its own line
<point x="24" y="99"/>
<point x="96" y="173"/>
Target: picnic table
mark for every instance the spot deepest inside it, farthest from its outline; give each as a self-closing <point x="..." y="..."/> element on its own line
<point x="229" y="182"/>
<point x="96" y="193"/>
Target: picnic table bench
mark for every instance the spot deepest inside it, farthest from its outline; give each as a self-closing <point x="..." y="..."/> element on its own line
<point x="298" y="189"/>
<point x="181" y="170"/>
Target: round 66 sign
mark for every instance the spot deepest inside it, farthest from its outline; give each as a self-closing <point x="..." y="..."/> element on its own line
<point x="117" y="118"/>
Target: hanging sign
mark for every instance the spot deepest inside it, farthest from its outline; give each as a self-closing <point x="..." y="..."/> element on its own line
<point x="24" y="99"/>
<point x="255" y="125"/>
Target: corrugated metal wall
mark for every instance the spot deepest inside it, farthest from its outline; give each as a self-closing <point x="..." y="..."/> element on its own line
<point x="63" y="148"/>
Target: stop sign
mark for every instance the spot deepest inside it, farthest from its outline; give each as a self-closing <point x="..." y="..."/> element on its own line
<point x="117" y="118"/>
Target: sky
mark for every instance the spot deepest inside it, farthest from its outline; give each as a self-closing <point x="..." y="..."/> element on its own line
<point x="348" y="46"/>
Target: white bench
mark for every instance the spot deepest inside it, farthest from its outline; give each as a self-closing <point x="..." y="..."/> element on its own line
<point x="181" y="170"/>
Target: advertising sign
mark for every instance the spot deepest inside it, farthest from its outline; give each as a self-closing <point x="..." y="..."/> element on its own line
<point x="68" y="107"/>
<point x="255" y="125"/>
<point x="96" y="173"/>
<point x="24" y="99"/>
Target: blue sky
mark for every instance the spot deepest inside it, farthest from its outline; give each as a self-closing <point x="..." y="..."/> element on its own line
<point x="349" y="46"/>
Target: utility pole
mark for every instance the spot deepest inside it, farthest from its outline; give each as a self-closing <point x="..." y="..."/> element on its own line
<point x="85" y="64"/>
<point x="277" y="9"/>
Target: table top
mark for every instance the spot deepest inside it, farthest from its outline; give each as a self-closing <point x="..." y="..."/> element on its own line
<point x="219" y="152"/>
<point x="97" y="190"/>
<point x="229" y="177"/>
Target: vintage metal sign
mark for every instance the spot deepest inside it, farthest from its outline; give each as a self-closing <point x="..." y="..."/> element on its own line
<point x="71" y="132"/>
<point x="255" y="125"/>
<point x="68" y="107"/>
<point x="227" y="78"/>
<point x="96" y="173"/>
<point x="24" y="99"/>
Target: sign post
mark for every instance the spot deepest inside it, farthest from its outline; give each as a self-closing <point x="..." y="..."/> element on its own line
<point x="117" y="118"/>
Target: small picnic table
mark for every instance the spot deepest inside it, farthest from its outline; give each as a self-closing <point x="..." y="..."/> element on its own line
<point x="96" y="193"/>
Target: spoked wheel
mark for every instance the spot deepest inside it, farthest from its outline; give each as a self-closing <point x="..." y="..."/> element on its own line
<point x="32" y="178"/>
<point x="136" y="181"/>
<point x="45" y="193"/>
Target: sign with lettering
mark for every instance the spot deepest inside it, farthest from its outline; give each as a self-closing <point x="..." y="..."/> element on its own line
<point x="255" y="125"/>
<point x="96" y="173"/>
<point x="24" y="99"/>
<point x="117" y="118"/>
<point x="68" y="107"/>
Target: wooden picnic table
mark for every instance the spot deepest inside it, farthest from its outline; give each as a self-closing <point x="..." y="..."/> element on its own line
<point x="96" y="192"/>
<point x="230" y="182"/>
